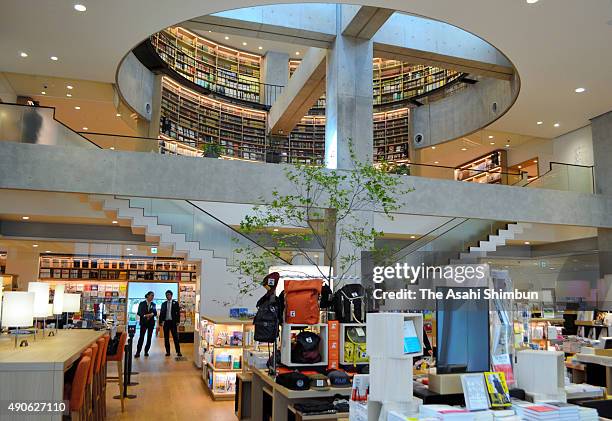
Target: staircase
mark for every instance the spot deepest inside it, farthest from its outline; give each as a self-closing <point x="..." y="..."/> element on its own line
<point x="491" y="243"/>
<point x="194" y="235"/>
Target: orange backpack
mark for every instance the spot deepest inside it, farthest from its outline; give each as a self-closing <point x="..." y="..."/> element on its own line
<point x="302" y="301"/>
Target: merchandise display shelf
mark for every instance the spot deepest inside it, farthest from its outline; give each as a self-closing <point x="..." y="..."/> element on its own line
<point x="286" y="341"/>
<point x="223" y="341"/>
<point x="344" y="340"/>
<point x="488" y="169"/>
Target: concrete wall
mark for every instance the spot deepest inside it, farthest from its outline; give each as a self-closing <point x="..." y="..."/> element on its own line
<point x="136" y="84"/>
<point x="24" y="264"/>
<point x="574" y="147"/>
<point x="53" y="168"/>
<point x="464" y="112"/>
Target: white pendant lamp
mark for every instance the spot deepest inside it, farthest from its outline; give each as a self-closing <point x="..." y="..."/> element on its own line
<point x="41" y="297"/>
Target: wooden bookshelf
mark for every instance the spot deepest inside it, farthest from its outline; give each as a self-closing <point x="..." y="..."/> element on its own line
<point x="488" y="169"/>
<point x="391" y="135"/>
<point x="195" y="120"/>
<point x="215" y="67"/>
<point x="306" y="143"/>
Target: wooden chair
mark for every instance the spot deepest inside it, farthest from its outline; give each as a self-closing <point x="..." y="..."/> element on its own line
<point x="118" y="358"/>
<point x="97" y="379"/>
<point x="89" y="387"/>
<point x="78" y="389"/>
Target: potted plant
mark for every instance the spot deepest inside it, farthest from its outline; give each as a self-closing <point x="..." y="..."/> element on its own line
<point x="212" y="150"/>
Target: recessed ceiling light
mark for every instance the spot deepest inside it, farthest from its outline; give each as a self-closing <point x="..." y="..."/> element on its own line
<point x="260" y="47"/>
<point x="275" y="230"/>
<point x="244" y="43"/>
<point x="118" y="114"/>
<point x="507" y="145"/>
<point x="556" y="124"/>
<point x="413" y="236"/>
<point x="23" y="54"/>
<point x="532" y="1"/>
<point x="433" y="147"/>
<point x="520" y="166"/>
<point x="552" y="268"/>
<point x="77" y="108"/>
<point x="34" y="245"/>
<point x="80" y="7"/>
<point x="85" y="128"/>
<point x="54" y="58"/>
<point x="69" y="86"/>
<point x="209" y="31"/>
<point x="464" y="149"/>
<point x="131" y="254"/>
<point x="25" y="218"/>
<point x="69" y="95"/>
<point x="540" y="123"/>
<point x="47" y="251"/>
<point x="115" y="222"/>
<point x="527" y="243"/>
<point x="579" y="90"/>
<point x="43" y="93"/>
<point x="128" y="249"/>
<point x="297" y="53"/>
<point x="226" y="37"/>
<point x="492" y="143"/>
<point x="535" y="161"/>
<point x="112" y="148"/>
<point x="436" y="162"/>
<point x="491" y="136"/>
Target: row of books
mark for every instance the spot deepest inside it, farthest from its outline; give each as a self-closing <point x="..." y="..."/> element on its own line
<point x="90" y="263"/>
<point x="123" y="275"/>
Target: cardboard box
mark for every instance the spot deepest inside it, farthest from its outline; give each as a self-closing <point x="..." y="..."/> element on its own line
<point x="603" y="352"/>
<point x="445" y="384"/>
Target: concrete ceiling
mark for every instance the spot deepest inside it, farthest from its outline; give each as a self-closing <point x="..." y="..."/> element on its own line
<point x="556" y="46"/>
<point x="253" y="44"/>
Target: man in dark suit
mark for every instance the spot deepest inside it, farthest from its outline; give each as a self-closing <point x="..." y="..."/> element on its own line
<point x="169" y="317"/>
<point x="147" y="314"/>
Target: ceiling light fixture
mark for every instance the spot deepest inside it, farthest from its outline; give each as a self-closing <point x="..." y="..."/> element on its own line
<point x="85" y="128"/>
<point x="297" y="53"/>
<point x="25" y="218"/>
<point x="23" y="54"/>
<point x="413" y="237"/>
<point x="579" y="90"/>
<point x="539" y="123"/>
<point x="436" y="162"/>
<point x="275" y="230"/>
<point x="115" y="222"/>
<point x="54" y="58"/>
<point x="69" y="86"/>
<point x="520" y="166"/>
<point x="77" y="108"/>
<point x="226" y="37"/>
<point x="34" y="245"/>
<point x="69" y="95"/>
<point x="43" y="93"/>
<point x="118" y="114"/>
<point x="244" y="43"/>
<point x="128" y="249"/>
<point x="507" y="145"/>
<point x="47" y="251"/>
<point x="527" y="243"/>
<point x="260" y="47"/>
<point x="112" y="148"/>
<point x="464" y="149"/>
<point x="80" y="7"/>
<point x="491" y="136"/>
<point x="556" y="125"/>
<point x="532" y="1"/>
<point x="131" y="254"/>
<point x="492" y="143"/>
<point x="433" y="147"/>
<point x="535" y="161"/>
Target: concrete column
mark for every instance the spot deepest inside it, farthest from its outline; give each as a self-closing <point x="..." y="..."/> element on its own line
<point x="349" y="101"/>
<point x="602" y="159"/>
<point x="274" y="71"/>
<point x="153" y="129"/>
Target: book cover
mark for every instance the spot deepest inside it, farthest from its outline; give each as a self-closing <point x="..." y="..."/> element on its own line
<point x="497" y="389"/>
<point x="475" y="392"/>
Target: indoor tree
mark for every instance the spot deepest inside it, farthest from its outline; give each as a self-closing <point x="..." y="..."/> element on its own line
<point x="327" y="208"/>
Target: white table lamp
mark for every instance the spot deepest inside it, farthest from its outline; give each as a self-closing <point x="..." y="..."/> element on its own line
<point x="41" y="297"/>
<point x="49" y="310"/>
<point x="58" y="304"/>
<point x="72" y="303"/>
<point x="18" y="310"/>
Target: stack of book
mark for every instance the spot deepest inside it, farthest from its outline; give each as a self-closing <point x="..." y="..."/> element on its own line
<point x="446" y="413"/>
<point x="567" y="412"/>
<point x="540" y="412"/>
<point x="588" y="414"/>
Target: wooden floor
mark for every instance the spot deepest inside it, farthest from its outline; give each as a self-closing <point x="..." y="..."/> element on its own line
<point x="168" y="390"/>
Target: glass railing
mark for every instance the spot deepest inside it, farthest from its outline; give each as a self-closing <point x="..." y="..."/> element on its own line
<point x="37" y="125"/>
<point x="495" y="176"/>
<point x="123" y="143"/>
<point x="185" y="217"/>
<point x="566" y="177"/>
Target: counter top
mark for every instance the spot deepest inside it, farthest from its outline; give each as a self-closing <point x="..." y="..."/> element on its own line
<point x="49" y="353"/>
<point x="595" y="359"/>
<point x="301" y="394"/>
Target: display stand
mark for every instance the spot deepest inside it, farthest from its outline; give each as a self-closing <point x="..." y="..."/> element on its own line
<point x="223" y="341"/>
<point x="286" y="333"/>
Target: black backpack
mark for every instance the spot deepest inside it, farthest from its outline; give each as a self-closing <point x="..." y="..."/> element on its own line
<point x="306" y="348"/>
<point x="267" y="319"/>
<point x="350" y="304"/>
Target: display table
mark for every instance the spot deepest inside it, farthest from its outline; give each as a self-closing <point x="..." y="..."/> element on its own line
<point x="283" y="398"/>
<point x="36" y="373"/>
<point x="599" y="360"/>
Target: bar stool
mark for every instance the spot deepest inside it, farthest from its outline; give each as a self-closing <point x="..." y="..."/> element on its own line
<point x="118" y="358"/>
<point x="97" y="379"/>
<point x="103" y="371"/>
<point x="77" y="391"/>
<point x="89" y="387"/>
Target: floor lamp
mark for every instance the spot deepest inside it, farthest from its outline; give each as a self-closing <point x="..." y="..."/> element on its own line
<point x="58" y="303"/>
<point x="17" y="310"/>
<point x="41" y="300"/>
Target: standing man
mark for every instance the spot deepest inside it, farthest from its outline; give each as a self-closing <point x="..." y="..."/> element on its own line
<point x="169" y="317"/>
<point x="147" y="313"/>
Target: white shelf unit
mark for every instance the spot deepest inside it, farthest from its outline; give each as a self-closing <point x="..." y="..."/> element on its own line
<point x="343" y="328"/>
<point x="386" y="339"/>
<point x="287" y="329"/>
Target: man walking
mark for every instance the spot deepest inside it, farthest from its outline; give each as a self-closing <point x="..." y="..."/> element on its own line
<point x="147" y="314"/>
<point x="169" y="317"/>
